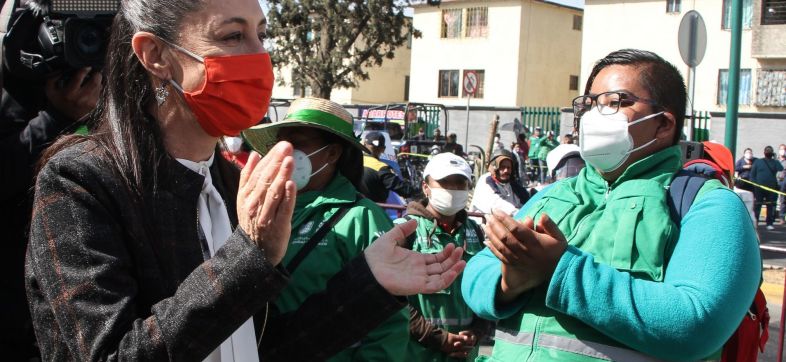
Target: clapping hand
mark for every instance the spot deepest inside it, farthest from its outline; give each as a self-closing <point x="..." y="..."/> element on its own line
<point x="405" y="272"/>
<point x="266" y="200"/>
<point x="529" y="254"/>
<point x="459" y="345"/>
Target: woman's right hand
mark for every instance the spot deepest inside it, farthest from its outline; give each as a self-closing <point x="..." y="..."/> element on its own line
<point x="266" y="200"/>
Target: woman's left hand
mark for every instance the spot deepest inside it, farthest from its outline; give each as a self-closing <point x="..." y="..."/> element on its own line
<point x="405" y="272"/>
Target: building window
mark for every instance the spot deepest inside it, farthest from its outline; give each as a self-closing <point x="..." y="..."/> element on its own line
<point x="451" y="23"/>
<point x="747" y="14"/>
<point x="577" y="22"/>
<point x="672" y="6"/>
<point x="771" y="87"/>
<point x="745" y="86"/>
<point x="448" y="83"/>
<point x="481" y="80"/>
<point x="773" y="12"/>
<point x="477" y="22"/>
<point x="574" y="82"/>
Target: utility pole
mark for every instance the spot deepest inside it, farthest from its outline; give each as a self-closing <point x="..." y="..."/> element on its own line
<point x="733" y="91"/>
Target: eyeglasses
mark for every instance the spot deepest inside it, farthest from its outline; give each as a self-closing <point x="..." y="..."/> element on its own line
<point x="608" y="103"/>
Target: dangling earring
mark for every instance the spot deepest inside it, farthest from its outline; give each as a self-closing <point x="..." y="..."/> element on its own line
<point x="161" y="93"/>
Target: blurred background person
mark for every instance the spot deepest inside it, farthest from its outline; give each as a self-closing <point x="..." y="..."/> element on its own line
<point x="743" y="170"/>
<point x="763" y="172"/>
<point x="37" y="106"/>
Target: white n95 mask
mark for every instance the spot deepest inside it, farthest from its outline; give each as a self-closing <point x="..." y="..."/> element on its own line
<point x="604" y="140"/>
<point x="302" y="174"/>
<point x="448" y="202"/>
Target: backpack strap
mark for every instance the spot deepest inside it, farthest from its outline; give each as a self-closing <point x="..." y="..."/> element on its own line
<point x="682" y="192"/>
<point x="319" y="235"/>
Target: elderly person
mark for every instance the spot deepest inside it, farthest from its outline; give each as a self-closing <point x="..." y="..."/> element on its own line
<point x="146" y="246"/>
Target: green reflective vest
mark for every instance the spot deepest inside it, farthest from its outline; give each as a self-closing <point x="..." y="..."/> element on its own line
<point x="361" y="225"/>
<point x="626" y="225"/>
<point x="444" y="309"/>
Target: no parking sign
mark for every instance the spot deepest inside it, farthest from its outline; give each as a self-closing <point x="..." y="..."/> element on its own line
<point x="470" y="82"/>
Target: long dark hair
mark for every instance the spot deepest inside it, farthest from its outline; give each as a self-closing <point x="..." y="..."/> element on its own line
<point x="121" y="125"/>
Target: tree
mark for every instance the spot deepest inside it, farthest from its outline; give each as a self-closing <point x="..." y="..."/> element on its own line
<point x="329" y="42"/>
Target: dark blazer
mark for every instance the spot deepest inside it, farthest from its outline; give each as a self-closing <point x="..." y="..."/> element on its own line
<point x="102" y="287"/>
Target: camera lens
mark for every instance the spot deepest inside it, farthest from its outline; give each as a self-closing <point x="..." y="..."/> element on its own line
<point x="89" y="40"/>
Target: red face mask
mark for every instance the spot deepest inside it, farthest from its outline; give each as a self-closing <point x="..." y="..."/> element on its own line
<point x="235" y="94"/>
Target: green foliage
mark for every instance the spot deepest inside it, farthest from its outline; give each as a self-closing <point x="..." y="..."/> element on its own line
<point x="329" y="42"/>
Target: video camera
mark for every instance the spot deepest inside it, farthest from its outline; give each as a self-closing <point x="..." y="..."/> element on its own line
<point x="57" y="36"/>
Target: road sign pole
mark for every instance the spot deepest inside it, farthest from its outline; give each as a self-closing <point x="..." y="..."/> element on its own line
<point x="692" y="128"/>
<point x="733" y="90"/>
<point x="470" y="85"/>
<point x="466" y="135"/>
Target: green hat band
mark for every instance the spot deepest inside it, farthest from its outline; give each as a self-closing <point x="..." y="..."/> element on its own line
<point x="324" y="119"/>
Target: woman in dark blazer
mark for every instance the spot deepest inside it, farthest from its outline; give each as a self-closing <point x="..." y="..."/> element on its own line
<point x="146" y="246"/>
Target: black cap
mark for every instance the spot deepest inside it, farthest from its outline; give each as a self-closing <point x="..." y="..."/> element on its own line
<point x="376" y="139"/>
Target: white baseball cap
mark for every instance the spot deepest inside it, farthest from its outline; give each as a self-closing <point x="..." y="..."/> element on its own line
<point x="446" y="164"/>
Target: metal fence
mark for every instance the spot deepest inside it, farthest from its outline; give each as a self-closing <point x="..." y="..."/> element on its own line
<point x="700" y="126"/>
<point x="547" y="118"/>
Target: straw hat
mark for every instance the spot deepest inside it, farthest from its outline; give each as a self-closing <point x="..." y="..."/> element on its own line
<point x="305" y="112"/>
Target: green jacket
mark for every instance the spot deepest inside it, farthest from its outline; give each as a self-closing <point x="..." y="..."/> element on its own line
<point x="534" y="146"/>
<point x="433" y="315"/>
<point x="626" y="224"/>
<point x="354" y="232"/>
<point x="546" y="145"/>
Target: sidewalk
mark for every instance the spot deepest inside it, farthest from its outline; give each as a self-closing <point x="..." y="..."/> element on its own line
<point x="774" y="264"/>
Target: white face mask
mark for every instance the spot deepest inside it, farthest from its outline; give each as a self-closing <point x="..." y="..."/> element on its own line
<point x="233" y="144"/>
<point x="302" y="173"/>
<point x="448" y="202"/>
<point x="604" y="140"/>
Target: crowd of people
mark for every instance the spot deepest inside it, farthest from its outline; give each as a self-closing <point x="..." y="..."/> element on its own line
<point x="764" y="176"/>
<point x="180" y="228"/>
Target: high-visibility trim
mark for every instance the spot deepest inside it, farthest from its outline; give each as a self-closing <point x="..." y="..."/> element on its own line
<point x="566" y="344"/>
<point x="452" y="322"/>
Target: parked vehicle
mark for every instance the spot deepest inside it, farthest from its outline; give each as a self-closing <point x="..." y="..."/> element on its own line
<point x="401" y="124"/>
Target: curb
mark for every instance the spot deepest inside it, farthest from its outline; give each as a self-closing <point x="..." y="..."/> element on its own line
<point x="773" y="267"/>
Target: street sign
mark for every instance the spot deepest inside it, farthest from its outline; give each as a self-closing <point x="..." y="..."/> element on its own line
<point x="692" y="38"/>
<point x="470" y="82"/>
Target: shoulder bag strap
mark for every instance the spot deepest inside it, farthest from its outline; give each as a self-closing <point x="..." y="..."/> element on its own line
<point x="317" y="237"/>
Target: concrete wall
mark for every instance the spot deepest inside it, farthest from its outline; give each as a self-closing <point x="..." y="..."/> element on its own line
<point x="496" y="54"/>
<point x="528" y="55"/>
<point x="754" y="131"/>
<point x="549" y="53"/>
<point x="768" y="40"/>
<point x="644" y="24"/>
<point x="385" y="83"/>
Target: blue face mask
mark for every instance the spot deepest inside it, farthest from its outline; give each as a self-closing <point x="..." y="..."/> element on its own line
<point x="302" y="173"/>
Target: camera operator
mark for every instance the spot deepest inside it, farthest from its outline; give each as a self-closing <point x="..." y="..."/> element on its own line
<point x="33" y="113"/>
